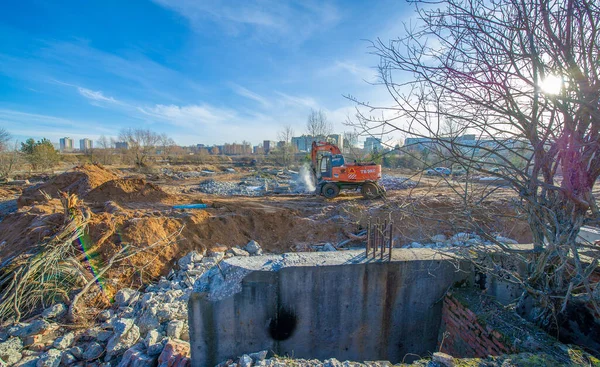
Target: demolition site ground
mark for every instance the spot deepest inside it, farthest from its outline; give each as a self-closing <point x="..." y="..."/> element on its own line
<point x="151" y="242"/>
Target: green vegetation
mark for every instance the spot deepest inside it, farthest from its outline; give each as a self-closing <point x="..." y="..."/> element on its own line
<point x="41" y="154"/>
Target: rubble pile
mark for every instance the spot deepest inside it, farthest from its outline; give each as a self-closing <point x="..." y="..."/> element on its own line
<point x="176" y="175"/>
<point x="277" y="182"/>
<point x="220" y="188"/>
<point x="437" y="359"/>
<point x="396" y="183"/>
<point x="143" y="328"/>
<point x="259" y="359"/>
<point x="459" y="240"/>
<point x="282" y="182"/>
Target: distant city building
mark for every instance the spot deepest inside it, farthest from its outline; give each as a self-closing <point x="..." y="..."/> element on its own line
<point x="372" y="144"/>
<point x="301" y="142"/>
<point x="85" y="144"/>
<point x="237" y="149"/>
<point x="269" y="145"/>
<point x="66" y="144"/>
<point x="258" y="149"/>
<point x="467" y="144"/>
<point x="121" y="145"/>
<point x="418" y="144"/>
<point x="304" y="143"/>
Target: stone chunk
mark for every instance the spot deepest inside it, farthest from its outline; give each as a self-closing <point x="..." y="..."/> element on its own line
<point x="30" y="361"/>
<point x="253" y="248"/>
<point x="189" y="259"/>
<point x="126" y="296"/>
<point x="152" y="337"/>
<point x="93" y="351"/>
<point x="259" y="356"/>
<point x="329" y="247"/>
<point x="67" y="359"/>
<point x="64" y="341"/>
<point x="245" y="361"/>
<point x="54" y="311"/>
<point x="10" y="350"/>
<point x="444" y="359"/>
<point x="105" y="315"/>
<point x="238" y="252"/>
<point x="51" y="358"/>
<point x="332" y="363"/>
<point x="125" y="336"/>
<point x="36" y="327"/>
<point x="174" y="329"/>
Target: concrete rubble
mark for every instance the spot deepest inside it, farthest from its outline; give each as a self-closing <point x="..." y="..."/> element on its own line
<point x="149" y="327"/>
<point x="462" y="239"/>
<point x="259" y="359"/>
<point x="397" y="183"/>
<point x="143" y="328"/>
<point x="282" y="182"/>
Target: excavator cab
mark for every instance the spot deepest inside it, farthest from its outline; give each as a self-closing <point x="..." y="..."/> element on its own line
<point x="328" y="162"/>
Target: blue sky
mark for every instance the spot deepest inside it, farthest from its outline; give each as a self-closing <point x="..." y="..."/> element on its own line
<point x="202" y="71"/>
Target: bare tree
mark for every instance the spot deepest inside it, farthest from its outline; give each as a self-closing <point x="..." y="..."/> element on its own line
<point x="287" y="150"/>
<point x="167" y="145"/>
<point x="9" y="161"/>
<point x="317" y="124"/>
<point x="142" y="143"/>
<point x="104" y="149"/>
<point x="519" y="84"/>
<point x="286" y="133"/>
<point x="4" y="139"/>
<point x="104" y="142"/>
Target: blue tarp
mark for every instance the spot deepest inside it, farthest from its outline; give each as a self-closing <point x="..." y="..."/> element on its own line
<point x="190" y="206"/>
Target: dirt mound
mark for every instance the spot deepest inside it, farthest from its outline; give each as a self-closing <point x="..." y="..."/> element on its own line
<point x="131" y="190"/>
<point x="80" y="180"/>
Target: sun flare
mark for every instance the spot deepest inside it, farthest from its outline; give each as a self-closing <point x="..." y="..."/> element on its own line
<point x="552" y="84"/>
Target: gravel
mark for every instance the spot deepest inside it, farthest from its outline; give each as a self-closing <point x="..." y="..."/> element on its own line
<point x="396" y="182"/>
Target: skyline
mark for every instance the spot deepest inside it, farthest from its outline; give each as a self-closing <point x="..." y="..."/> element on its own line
<point x="204" y="73"/>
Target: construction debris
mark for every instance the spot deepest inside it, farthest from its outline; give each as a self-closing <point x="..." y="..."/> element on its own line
<point x="282" y="182"/>
<point x="460" y="240"/>
<point x="149" y="325"/>
<point x="396" y="183"/>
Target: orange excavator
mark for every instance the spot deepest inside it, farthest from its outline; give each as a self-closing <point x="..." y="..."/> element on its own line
<point x="333" y="174"/>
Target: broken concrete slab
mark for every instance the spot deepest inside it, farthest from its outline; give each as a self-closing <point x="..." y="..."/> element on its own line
<point x="315" y="305"/>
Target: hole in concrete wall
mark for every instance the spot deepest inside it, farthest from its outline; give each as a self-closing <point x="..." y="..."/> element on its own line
<point x="283" y="325"/>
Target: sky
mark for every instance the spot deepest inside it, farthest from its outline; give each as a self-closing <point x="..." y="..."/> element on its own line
<point x="202" y="71"/>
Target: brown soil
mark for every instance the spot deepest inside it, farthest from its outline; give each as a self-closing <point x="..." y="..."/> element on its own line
<point x="79" y="181"/>
<point x="9" y="192"/>
<point x="138" y="213"/>
<point x="132" y="190"/>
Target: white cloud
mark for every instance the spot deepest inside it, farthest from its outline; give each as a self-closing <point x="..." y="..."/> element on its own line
<point x="308" y="102"/>
<point x="189" y="115"/>
<point x="244" y="92"/>
<point x="95" y="95"/>
<point x="267" y="20"/>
